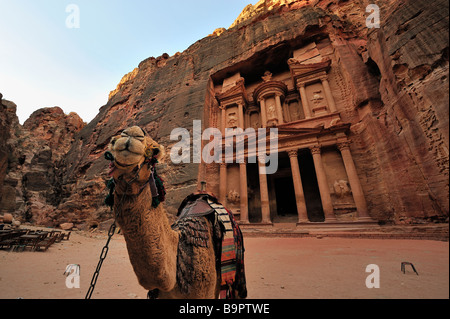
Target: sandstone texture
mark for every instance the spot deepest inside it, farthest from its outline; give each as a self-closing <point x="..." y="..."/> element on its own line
<point x="390" y="83"/>
<point x="31" y="188"/>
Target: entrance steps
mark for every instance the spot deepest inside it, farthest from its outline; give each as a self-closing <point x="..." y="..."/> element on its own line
<point x="348" y="230"/>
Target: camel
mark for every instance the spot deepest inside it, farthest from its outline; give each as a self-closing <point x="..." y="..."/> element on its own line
<point x="152" y="244"/>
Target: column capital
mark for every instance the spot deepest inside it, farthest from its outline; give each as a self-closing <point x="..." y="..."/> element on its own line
<point x="223" y="165"/>
<point x="292" y="153"/>
<point x="315" y="149"/>
<point x="301" y="84"/>
<point x="244" y="162"/>
<point x="323" y="78"/>
<point x="343" y="145"/>
<point x="241" y="104"/>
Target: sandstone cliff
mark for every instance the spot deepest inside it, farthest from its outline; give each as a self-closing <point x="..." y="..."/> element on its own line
<point x="31" y="187"/>
<point x="390" y="83"/>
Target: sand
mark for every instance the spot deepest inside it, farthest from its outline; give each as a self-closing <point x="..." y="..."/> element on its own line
<point x="293" y="268"/>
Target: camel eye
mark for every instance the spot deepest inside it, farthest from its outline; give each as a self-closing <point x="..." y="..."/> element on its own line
<point x="140" y="138"/>
<point x="123" y="134"/>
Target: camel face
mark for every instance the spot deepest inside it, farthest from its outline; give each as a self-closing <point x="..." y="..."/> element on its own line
<point x="131" y="148"/>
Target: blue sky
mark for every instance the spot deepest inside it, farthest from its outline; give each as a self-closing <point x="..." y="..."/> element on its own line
<point x="43" y="63"/>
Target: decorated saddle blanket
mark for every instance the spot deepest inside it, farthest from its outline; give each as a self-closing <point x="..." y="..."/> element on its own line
<point x="228" y="243"/>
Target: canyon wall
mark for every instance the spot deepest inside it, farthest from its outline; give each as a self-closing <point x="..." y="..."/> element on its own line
<point x="390" y="83"/>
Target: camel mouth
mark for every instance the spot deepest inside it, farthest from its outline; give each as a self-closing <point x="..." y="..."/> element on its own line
<point x="116" y="162"/>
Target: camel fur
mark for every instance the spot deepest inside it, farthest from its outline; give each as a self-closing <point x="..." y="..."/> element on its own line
<point x="151" y="242"/>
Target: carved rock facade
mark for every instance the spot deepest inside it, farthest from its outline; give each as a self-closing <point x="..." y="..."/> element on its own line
<point x="362" y="115"/>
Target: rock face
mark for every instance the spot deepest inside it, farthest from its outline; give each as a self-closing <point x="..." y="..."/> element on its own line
<point x="390" y="83"/>
<point x="31" y="189"/>
<point x="8" y="120"/>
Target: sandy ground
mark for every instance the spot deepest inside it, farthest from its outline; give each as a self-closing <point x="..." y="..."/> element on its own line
<point x="293" y="268"/>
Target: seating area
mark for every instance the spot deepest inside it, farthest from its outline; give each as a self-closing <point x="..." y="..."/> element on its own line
<point x="28" y="239"/>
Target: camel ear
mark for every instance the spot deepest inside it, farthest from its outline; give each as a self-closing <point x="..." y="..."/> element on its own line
<point x="154" y="149"/>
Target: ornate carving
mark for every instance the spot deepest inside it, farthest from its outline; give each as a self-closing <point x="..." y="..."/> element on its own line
<point x="317" y="97"/>
<point x="267" y="76"/>
<point x="233" y="197"/>
<point x="341" y="188"/>
<point x="292" y="153"/>
<point x="232" y="120"/>
<point x="343" y="145"/>
<point x="271" y="111"/>
<point x="315" y="149"/>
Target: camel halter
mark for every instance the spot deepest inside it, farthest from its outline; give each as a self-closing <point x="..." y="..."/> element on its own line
<point x="155" y="183"/>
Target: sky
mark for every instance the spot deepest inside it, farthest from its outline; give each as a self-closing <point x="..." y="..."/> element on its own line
<point x="71" y="54"/>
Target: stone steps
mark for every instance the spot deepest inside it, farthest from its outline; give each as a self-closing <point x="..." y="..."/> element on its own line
<point x="423" y="232"/>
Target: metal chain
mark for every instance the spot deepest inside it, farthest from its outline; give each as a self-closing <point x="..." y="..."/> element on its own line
<point x="105" y="249"/>
<point x="103" y="254"/>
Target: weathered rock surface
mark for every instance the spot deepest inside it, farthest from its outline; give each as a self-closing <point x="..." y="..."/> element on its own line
<point x="31" y="189"/>
<point x="398" y="124"/>
<point x="390" y="83"/>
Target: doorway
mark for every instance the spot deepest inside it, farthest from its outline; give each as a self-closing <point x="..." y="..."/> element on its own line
<point x="285" y="196"/>
<point x="310" y="187"/>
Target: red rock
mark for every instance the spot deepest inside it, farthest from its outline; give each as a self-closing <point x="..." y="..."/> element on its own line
<point x="390" y="86"/>
<point x="66" y="226"/>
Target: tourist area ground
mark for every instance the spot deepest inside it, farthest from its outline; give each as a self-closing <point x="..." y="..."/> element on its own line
<point x="313" y="267"/>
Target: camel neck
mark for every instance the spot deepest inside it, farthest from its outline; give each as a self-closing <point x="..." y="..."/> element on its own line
<point x="151" y="242"/>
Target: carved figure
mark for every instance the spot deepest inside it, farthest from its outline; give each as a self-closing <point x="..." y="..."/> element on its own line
<point x="341" y="188"/>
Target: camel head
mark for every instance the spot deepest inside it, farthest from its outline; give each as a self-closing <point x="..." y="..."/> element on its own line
<point x="129" y="153"/>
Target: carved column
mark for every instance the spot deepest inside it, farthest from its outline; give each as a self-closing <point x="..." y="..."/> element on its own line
<point x="223" y="183"/>
<point x="279" y="109"/>
<point x="298" y="188"/>
<point x="262" y="102"/>
<point x="305" y="103"/>
<point x="241" y="115"/>
<point x="323" y="185"/>
<point x="353" y="179"/>
<point x="223" y="120"/>
<point x="264" y="191"/>
<point x="329" y="96"/>
<point x="243" y="192"/>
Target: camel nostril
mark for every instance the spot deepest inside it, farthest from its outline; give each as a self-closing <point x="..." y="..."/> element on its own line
<point x="109" y="156"/>
<point x="127" y="144"/>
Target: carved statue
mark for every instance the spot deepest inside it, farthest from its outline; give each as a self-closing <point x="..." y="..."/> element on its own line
<point x="232" y="120"/>
<point x="341" y="188"/>
<point x="233" y="197"/>
<point x="267" y="76"/>
<point x="317" y="98"/>
<point x="271" y="109"/>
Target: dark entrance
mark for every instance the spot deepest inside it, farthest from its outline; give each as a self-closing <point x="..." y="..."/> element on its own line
<point x="285" y="195"/>
<point x="254" y="195"/>
<point x="310" y="187"/>
<point x="283" y="205"/>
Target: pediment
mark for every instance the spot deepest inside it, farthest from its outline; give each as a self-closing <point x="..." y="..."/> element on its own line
<point x="237" y="90"/>
<point x="299" y="69"/>
<point x="271" y="86"/>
